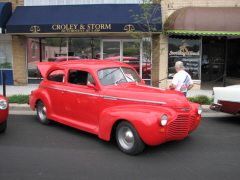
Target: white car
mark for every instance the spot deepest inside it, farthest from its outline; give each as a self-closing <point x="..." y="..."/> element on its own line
<point x="226" y="99"/>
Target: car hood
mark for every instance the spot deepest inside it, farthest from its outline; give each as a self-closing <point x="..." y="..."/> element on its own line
<point x="148" y="94"/>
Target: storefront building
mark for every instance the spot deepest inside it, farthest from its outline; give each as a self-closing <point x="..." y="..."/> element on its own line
<point x="204" y="34"/>
<point x="44" y="32"/>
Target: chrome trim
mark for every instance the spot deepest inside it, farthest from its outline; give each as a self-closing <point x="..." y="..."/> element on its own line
<point x="185" y="109"/>
<point x="81" y="93"/>
<point x="109" y="97"/>
<point x="106" y="97"/>
<point x="72" y="91"/>
<point x="137" y="100"/>
<point x="150" y="87"/>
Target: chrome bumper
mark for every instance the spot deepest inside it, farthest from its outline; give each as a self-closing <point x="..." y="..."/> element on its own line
<point x="215" y="107"/>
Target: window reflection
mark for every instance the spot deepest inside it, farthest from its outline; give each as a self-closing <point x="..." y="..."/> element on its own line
<point x="187" y="51"/>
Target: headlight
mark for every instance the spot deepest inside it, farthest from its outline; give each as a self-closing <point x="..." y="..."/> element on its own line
<point x="164" y="120"/>
<point x="200" y="110"/>
<point x="3" y="104"/>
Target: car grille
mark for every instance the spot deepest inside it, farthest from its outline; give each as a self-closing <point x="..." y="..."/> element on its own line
<point x="192" y="122"/>
<point x="179" y="128"/>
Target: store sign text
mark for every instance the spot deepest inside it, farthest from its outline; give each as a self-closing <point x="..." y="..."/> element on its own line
<point x="183" y="53"/>
<point x="80" y="27"/>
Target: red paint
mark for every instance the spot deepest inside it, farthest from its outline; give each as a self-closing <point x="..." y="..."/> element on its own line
<point x="3" y="113"/>
<point x="229" y="107"/>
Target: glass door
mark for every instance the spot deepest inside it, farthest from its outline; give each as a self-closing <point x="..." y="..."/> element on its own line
<point x="127" y="51"/>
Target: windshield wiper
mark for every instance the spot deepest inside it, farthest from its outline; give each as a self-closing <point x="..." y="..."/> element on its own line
<point x="117" y="81"/>
<point x="109" y="73"/>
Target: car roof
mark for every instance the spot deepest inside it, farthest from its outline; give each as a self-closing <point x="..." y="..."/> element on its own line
<point x="93" y="64"/>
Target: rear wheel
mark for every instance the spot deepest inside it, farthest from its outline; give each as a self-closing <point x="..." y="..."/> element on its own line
<point x="42" y="113"/>
<point x="128" y="139"/>
<point x="3" y="126"/>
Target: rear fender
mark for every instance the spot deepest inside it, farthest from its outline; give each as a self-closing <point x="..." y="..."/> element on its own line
<point x="42" y="95"/>
<point x="144" y="119"/>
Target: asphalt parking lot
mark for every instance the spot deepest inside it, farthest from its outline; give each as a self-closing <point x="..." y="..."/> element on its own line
<point x="30" y="150"/>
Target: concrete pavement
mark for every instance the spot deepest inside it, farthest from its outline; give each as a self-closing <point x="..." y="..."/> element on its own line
<point x="16" y="90"/>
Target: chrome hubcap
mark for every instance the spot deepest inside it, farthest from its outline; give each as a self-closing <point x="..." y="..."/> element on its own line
<point x="126" y="138"/>
<point x="42" y="111"/>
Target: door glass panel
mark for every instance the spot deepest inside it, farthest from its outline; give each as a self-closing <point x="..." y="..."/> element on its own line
<point x="131" y="54"/>
<point x="50" y="48"/>
<point x="84" y="48"/>
<point x="111" y="50"/>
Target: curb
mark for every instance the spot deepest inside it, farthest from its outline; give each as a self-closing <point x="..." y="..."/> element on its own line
<point x="19" y="107"/>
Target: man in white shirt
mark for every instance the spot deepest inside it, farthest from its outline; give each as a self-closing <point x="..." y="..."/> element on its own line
<point x="182" y="81"/>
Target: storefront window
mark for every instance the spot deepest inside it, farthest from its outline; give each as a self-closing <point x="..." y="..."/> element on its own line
<point x="187" y="51"/>
<point x="233" y="59"/>
<point x="84" y="48"/>
<point x="59" y="49"/>
<point x="5" y="52"/>
<point x="6" y="59"/>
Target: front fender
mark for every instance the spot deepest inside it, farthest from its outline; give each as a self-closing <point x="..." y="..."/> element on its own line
<point x="145" y="119"/>
<point x="194" y="114"/>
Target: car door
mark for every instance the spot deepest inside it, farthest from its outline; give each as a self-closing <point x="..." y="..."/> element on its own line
<point x="53" y="87"/>
<point x="81" y="102"/>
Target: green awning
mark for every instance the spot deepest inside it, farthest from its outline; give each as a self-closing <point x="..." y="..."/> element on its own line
<point x="209" y="21"/>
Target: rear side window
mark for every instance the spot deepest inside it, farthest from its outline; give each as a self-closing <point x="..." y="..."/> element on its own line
<point x="80" y="77"/>
<point x="56" y="75"/>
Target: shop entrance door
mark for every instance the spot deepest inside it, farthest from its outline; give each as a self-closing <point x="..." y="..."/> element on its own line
<point x="213" y="54"/>
<point x="127" y="51"/>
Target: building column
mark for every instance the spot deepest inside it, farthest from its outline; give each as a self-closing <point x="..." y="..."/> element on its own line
<point x="159" y="60"/>
<point x="19" y="60"/>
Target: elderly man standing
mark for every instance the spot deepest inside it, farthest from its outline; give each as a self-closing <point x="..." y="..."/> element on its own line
<point x="182" y="81"/>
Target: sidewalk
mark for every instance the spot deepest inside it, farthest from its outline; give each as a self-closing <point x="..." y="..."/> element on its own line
<point x="16" y="90"/>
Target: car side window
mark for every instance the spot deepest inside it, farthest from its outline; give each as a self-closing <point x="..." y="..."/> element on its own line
<point x="56" y="75"/>
<point x="80" y="77"/>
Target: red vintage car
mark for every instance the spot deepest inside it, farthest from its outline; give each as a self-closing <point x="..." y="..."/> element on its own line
<point x="135" y="63"/>
<point x="4" y="110"/>
<point x="110" y="99"/>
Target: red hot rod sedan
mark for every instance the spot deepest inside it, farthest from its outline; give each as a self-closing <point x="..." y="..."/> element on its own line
<point x="110" y="99"/>
<point x="4" y="110"/>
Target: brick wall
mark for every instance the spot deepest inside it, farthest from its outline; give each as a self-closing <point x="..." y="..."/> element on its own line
<point x="15" y="3"/>
<point x="19" y="60"/>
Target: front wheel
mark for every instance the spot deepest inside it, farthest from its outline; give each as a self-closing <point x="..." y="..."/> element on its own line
<point x="128" y="139"/>
<point x="3" y="126"/>
<point x="42" y="113"/>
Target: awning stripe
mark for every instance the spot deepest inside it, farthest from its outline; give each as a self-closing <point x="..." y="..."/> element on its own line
<point x="202" y="33"/>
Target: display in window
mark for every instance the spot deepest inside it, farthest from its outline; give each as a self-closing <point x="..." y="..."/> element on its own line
<point x="186" y="51"/>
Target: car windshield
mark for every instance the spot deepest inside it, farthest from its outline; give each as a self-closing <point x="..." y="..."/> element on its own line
<point x="117" y="75"/>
